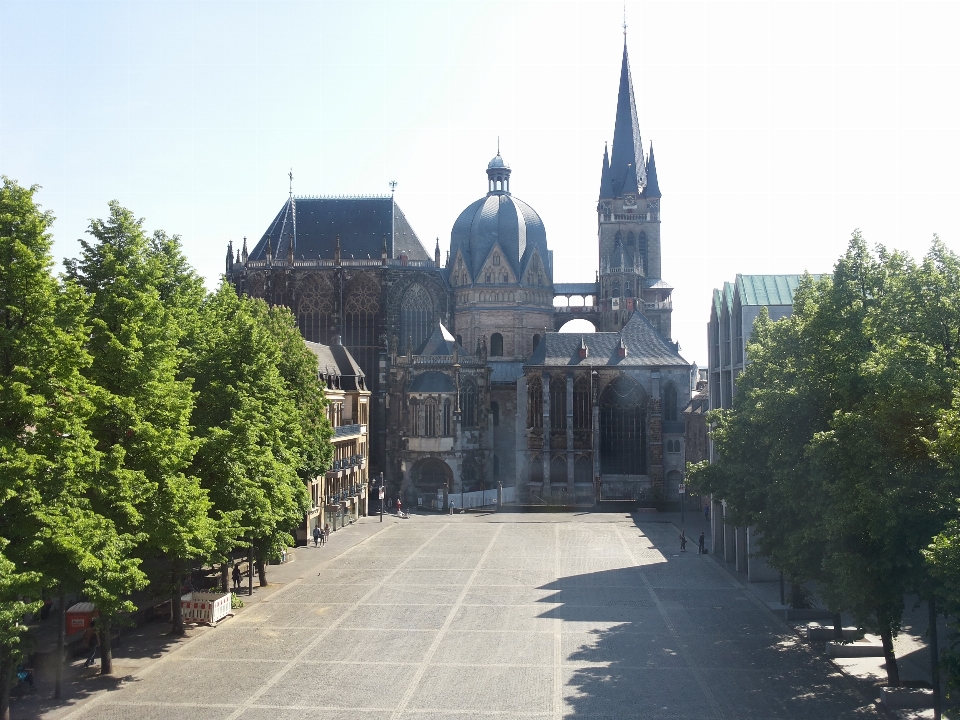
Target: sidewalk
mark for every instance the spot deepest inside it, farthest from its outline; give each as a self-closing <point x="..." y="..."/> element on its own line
<point x="143" y="646"/>
<point x="911" y="647"/>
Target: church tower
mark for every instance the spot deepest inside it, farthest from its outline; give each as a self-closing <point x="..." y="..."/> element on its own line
<point x="628" y="224"/>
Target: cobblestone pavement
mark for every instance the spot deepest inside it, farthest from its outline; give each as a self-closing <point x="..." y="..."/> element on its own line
<point x="498" y="616"/>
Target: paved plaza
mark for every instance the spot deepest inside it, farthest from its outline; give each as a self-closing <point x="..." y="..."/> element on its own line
<point x="497" y="616"/>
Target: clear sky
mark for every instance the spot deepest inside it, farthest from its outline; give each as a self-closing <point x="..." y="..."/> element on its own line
<point x="779" y="127"/>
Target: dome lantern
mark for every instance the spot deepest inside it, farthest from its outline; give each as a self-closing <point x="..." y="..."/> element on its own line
<point x="498" y="176"/>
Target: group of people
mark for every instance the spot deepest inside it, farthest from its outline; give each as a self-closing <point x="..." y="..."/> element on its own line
<point x="701" y="542"/>
<point x="320" y="535"/>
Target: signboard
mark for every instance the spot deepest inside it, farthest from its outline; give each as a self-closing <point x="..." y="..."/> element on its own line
<point x="683" y="488"/>
<point x="381" y="493"/>
<point x="615" y="303"/>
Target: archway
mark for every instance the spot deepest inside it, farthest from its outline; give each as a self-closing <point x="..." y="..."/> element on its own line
<point x="623" y="436"/>
<point x="431" y="474"/>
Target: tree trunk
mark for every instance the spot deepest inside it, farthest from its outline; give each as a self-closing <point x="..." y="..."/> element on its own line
<point x="837" y="627"/>
<point x="250" y="572"/>
<point x="176" y="607"/>
<point x="61" y="639"/>
<point x="893" y="672"/>
<point x="262" y="571"/>
<point x="106" y="652"/>
<point x="225" y="577"/>
<point x="6" y="679"/>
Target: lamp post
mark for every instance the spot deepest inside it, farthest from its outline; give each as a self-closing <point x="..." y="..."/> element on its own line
<point x="381" y="497"/>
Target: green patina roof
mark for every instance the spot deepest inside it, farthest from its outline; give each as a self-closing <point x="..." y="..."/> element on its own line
<point x="768" y="289"/>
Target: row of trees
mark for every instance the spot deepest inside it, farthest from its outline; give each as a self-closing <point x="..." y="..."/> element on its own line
<point x="146" y="426"/>
<point x="842" y="448"/>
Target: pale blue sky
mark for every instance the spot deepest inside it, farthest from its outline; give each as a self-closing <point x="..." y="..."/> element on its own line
<point x="779" y="127"/>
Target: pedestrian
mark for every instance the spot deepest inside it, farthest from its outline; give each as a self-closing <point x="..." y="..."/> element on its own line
<point x="701" y="541"/>
<point x="94" y="647"/>
<point x="326" y="532"/>
<point x="683" y="540"/>
<point x="316" y="535"/>
<point x="237" y="577"/>
<point x="399" y="507"/>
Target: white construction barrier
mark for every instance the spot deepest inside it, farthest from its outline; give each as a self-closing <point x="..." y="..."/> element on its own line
<point x="206" y="607"/>
<point x="481" y="498"/>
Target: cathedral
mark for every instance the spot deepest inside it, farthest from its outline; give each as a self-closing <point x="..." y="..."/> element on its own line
<point x="475" y="382"/>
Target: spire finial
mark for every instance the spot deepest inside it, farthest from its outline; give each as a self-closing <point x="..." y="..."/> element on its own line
<point x="498" y="144"/>
<point x="290" y="175"/>
<point x="393" y="186"/>
<point x="624" y="22"/>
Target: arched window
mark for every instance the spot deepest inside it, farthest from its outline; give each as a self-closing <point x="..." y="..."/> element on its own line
<point x="504" y="278"/>
<point x="460" y="340"/>
<point x="583" y="471"/>
<point x="496" y="345"/>
<point x="623" y="437"/>
<point x="415" y="418"/>
<point x="495" y="411"/>
<point x="627" y="289"/>
<point x="558" y="403"/>
<point x="446" y="418"/>
<point x="536" y="469"/>
<point x="430" y="418"/>
<point x="616" y="288"/>
<point x="670" y="404"/>
<point x="558" y="470"/>
<point x="468" y="403"/>
<point x="631" y="239"/>
<point x="582" y="412"/>
<point x="535" y="403"/>
<point x="486" y="278"/>
<point x="536" y="341"/>
<point x="416" y="318"/>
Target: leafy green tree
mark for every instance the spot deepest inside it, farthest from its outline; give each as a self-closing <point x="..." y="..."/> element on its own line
<point x="14" y="588"/>
<point x="141" y="421"/>
<point x="248" y="423"/>
<point x="848" y="392"/>
<point x="46" y="452"/>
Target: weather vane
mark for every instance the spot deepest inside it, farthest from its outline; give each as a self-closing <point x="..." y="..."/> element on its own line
<point x="624" y="21"/>
<point x="290" y="175"/>
<point x="393" y="186"/>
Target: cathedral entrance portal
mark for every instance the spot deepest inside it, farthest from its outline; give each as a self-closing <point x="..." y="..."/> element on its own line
<point x="430" y="475"/>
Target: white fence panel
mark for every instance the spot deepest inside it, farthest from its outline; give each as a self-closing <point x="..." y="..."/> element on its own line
<point x="481" y="498"/>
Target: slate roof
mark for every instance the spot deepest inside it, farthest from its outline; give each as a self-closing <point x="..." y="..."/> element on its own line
<point x="588" y="288"/>
<point x="652" y="190"/>
<point x="504" y="220"/>
<point x="432" y="381"/>
<point x="440" y="342"/>
<point x="312" y="225"/>
<point x="505" y="371"/>
<point x="768" y="289"/>
<point x="627" y="154"/>
<point x="645" y="347"/>
<point x="336" y="361"/>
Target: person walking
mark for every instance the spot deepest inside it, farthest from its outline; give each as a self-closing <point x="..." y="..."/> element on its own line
<point x="316" y="535"/>
<point x="237" y="577"/>
<point x="94" y="647"/>
<point x="326" y="532"/>
<point x="683" y="540"/>
<point x="700" y="544"/>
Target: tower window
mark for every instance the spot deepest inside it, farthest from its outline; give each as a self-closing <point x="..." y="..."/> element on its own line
<point x="496" y="345"/>
<point x="487" y="277"/>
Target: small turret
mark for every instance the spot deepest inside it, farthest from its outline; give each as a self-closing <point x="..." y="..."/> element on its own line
<point x="436" y="254"/>
<point x="652" y="190"/>
<point x="229" y="255"/>
<point x="245" y="254"/>
<point x="269" y="250"/>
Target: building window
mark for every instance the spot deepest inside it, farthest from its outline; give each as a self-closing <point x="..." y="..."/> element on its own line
<point x="416" y="318"/>
<point x="486" y="278"/>
<point x="670" y="404"/>
<point x="446" y="418"/>
<point x="496" y="259"/>
<point x="535" y="403"/>
<point x="468" y="403"/>
<point x="536" y="341"/>
<point x="496" y="345"/>
<point x="558" y="403"/>
<point x="460" y="340"/>
<point x="430" y="419"/>
<point x="623" y="437"/>
<point x="582" y="415"/>
<point x="616" y="288"/>
<point x="495" y="411"/>
<point x="558" y="470"/>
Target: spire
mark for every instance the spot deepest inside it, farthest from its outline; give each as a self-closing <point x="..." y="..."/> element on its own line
<point x="653" y="187"/>
<point x="245" y="254"/>
<point x="436" y="254"/>
<point x="606" y="183"/>
<point x="627" y="145"/>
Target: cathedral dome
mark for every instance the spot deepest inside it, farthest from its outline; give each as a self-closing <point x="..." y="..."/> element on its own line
<point x="497" y="162"/>
<point x="504" y="221"/>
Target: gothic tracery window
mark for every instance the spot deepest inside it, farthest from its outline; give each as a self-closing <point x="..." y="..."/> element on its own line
<point x="582" y="410"/>
<point x="558" y="403"/>
<point x="670" y="404"/>
<point x="469" y="397"/>
<point x="416" y="318"/>
<point x="623" y="438"/>
<point x="535" y="403"/>
<point x="496" y="345"/>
